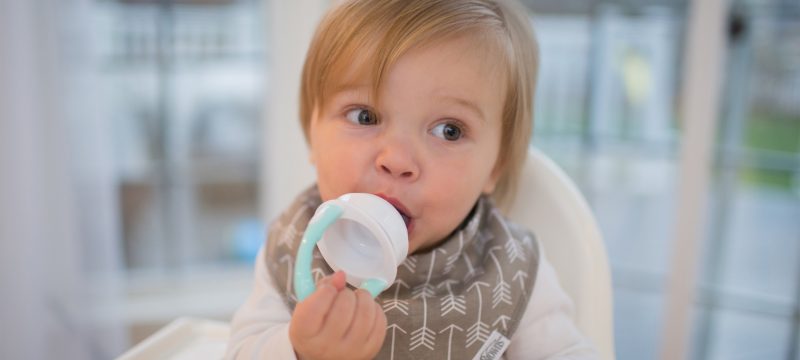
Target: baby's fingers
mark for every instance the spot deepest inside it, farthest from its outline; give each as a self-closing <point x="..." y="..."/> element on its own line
<point x="364" y="318"/>
<point x="377" y="334"/>
<point x="337" y="280"/>
<point x="309" y="314"/>
<point x="340" y="315"/>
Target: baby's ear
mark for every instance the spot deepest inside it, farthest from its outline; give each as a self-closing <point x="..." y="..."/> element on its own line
<point x="491" y="183"/>
<point x="489" y="188"/>
<point x="312" y="155"/>
<point x="312" y="158"/>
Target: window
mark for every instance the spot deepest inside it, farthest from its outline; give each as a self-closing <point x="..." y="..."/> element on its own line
<point x="183" y="89"/>
<point x="607" y="110"/>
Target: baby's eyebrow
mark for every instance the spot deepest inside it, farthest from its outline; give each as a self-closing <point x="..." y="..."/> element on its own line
<point x="469" y="105"/>
<point x="349" y="89"/>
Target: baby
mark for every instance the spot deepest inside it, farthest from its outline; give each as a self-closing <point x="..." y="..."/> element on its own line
<point x="428" y="104"/>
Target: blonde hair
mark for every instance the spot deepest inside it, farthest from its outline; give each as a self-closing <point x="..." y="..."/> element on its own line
<point x="379" y="32"/>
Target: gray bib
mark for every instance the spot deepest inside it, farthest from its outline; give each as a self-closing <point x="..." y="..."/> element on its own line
<point x="445" y="302"/>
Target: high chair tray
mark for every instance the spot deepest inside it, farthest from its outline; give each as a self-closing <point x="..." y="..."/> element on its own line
<point x="183" y="339"/>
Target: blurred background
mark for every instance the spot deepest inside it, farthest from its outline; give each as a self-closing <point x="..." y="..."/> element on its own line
<point x="146" y="144"/>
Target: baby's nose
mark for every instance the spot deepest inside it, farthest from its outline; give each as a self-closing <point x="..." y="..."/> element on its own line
<point x="397" y="162"/>
<point x="402" y="174"/>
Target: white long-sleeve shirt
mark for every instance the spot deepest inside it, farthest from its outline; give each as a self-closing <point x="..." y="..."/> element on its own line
<point x="260" y="327"/>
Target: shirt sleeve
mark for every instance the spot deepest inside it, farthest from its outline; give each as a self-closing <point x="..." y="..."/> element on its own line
<point x="260" y="327"/>
<point x="547" y="329"/>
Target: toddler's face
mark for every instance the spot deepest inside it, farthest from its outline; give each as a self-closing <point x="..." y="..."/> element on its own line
<point x="430" y="145"/>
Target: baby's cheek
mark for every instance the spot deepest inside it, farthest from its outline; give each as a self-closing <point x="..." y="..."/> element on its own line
<point x="452" y="204"/>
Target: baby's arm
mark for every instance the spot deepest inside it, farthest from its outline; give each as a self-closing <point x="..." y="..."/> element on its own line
<point x="260" y="327"/>
<point x="547" y="330"/>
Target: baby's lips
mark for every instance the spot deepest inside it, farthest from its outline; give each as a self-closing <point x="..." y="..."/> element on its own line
<point x="407" y="217"/>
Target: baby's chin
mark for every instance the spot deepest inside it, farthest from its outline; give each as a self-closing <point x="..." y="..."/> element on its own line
<point x="419" y="245"/>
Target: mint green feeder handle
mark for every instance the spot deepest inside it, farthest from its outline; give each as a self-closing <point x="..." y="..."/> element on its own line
<point x="303" y="281"/>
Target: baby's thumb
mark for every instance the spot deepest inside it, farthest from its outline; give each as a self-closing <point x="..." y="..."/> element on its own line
<point x="337" y="280"/>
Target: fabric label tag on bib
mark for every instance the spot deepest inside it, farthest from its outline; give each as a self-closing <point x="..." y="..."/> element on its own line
<point x="493" y="348"/>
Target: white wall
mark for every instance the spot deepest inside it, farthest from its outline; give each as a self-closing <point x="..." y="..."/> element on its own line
<point x="286" y="168"/>
<point x="57" y="220"/>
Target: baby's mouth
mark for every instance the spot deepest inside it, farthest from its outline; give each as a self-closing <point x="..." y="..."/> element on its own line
<point x="407" y="219"/>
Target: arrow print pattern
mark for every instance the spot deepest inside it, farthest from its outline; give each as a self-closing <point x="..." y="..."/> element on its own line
<point x="452" y="295"/>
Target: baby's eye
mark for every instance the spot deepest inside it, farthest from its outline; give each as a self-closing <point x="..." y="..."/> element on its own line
<point x="448" y="131"/>
<point x="362" y="116"/>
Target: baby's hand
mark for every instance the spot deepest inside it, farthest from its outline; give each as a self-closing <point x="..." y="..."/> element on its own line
<point x="335" y="322"/>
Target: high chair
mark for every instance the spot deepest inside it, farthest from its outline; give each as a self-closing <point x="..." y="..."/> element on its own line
<point x="550" y="204"/>
<point x="547" y="202"/>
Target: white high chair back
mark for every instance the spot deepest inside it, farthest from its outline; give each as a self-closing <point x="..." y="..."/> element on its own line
<point x="549" y="204"/>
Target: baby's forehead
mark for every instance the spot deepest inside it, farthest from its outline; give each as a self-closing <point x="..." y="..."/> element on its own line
<point x="363" y="78"/>
<point x="362" y="90"/>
